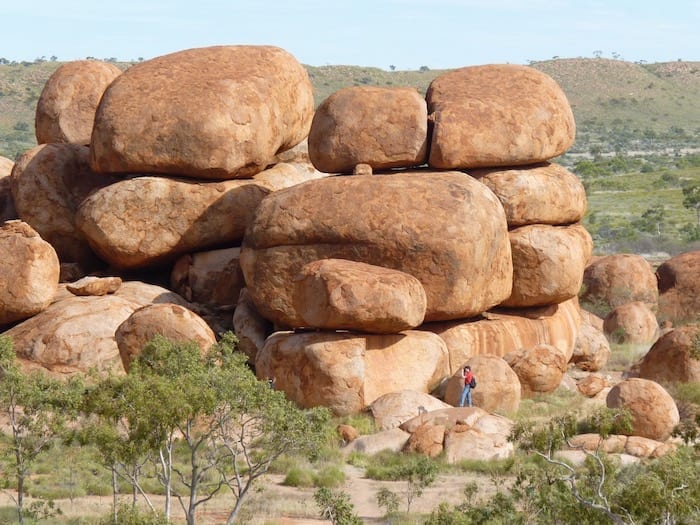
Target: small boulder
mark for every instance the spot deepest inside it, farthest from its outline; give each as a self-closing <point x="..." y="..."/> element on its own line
<point x="592" y="385"/>
<point x="395" y="408"/>
<point x="212" y="277"/>
<point x="91" y="285"/>
<point x="426" y="440"/>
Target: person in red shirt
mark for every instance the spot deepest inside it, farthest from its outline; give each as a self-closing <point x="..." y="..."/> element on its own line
<point x="467" y="375"/>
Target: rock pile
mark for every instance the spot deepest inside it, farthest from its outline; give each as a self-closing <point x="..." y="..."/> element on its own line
<point x="404" y="238"/>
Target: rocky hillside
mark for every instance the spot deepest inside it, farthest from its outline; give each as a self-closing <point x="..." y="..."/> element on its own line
<point x="647" y="106"/>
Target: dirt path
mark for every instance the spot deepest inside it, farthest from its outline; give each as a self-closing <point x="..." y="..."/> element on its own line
<point x="276" y="503"/>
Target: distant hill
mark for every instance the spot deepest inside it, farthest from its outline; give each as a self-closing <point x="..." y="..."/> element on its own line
<point x="617" y="104"/>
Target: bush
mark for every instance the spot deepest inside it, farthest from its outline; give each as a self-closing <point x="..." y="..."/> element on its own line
<point x="128" y="515"/>
<point x="299" y="477"/>
<point x="329" y="477"/>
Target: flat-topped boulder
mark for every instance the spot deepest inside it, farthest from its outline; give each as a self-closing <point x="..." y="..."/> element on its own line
<point x="217" y="112"/>
<point x="347" y="372"/>
<point x="29" y="271"/>
<point x="523" y="190"/>
<point x="66" y="108"/>
<point x="337" y="294"/>
<point x="548" y="263"/>
<point x="497" y="115"/>
<point x="445" y="229"/>
<point x="49" y="182"/>
<point x="148" y="221"/>
<point x="93" y="285"/>
<point x="384" y="127"/>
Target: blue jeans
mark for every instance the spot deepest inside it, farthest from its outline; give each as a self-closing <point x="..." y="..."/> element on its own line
<point x="466" y="395"/>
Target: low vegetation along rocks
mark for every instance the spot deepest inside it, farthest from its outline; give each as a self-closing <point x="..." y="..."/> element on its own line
<point x="362" y="254"/>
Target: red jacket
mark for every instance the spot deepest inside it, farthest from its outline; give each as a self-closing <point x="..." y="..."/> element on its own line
<point x="468" y="377"/>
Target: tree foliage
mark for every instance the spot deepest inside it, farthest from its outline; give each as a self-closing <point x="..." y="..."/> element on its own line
<point x="38" y="409"/>
<point x="231" y="426"/>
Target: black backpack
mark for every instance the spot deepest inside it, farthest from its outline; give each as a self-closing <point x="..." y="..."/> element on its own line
<point x="472" y="383"/>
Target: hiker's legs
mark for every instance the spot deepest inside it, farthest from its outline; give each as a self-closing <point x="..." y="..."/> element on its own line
<point x="466" y="395"/>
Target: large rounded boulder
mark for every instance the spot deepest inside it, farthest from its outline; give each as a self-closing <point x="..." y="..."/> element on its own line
<point x="29" y="271"/>
<point x="445" y="229"/>
<point x="66" y="108"/>
<point x="217" y="112"/>
<point x="382" y="127"/>
<point x="497" y="115"/>
<point x="171" y="321"/>
<point x="49" y="182"/>
<point x="674" y="357"/>
<point x="347" y="372"/>
<point x="148" y="221"/>
<point x="631" y="323"/>
<point x="679" y="288"/>
<point x="539" y="369"/>
<point x="654" y="412"/>
<point x="613" y="280"/>
<point x="548" y="263"/>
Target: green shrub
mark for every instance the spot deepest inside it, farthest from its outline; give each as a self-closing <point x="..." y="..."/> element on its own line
<point x="128" y="515"/>
<point x="299" y="477"/>
<point x="329" y="476"/>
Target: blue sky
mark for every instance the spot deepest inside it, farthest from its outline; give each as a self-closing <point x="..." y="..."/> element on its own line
<point x="406" y="34"/>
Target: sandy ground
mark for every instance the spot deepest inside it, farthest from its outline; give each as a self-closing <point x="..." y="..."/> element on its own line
<point x="278" y="504"/>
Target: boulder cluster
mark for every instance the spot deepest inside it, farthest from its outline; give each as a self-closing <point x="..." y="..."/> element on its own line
<point x="372" y="245"/>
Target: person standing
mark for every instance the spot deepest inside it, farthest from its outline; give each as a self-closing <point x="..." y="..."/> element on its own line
<point x="468" y="378"/>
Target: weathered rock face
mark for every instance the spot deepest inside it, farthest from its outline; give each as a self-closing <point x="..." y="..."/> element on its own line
<point x="214" y="277"/>
<point x="66" y="108"/>
<point x="29" y="272"/>
<point x="653" y="410"/>
<point x="347" y="372"/>
<point x="498" y="386"/>
<point x="592" y="348"/>
<point x="382" y="127"/>
<point x="548" y="263"/>
<point x="617" y="279"/>
<point x="454" y="242"/>
<point x="395" y="408"/>
<point x="172" y="321"/>
<point x="147" y="221"/>
<point x="49" y="182"/>
<point x="679" y="288"/>
<point x="523" y="192"/>
<point x="501" y="331"/>
<point x="631" y="323"/>
<point x="337" y="294"/>
<point x="214" y="113"/>
<point x="539" y="369"/>
<point x="7" y="203"/>
<point x="675" y="357"/>
<point x="74" y="335"/>
<point x="497" y="115"/>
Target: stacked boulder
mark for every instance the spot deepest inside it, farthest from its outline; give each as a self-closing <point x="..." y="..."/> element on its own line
<point x="135" y="170"/>
<point x="490" y="228"/>
<point x="463" y="242"/>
